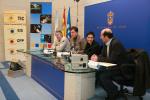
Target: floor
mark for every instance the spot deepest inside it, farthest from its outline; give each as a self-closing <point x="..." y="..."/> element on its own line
<point x="21" y="88"/>
<point x="100" y="94"/>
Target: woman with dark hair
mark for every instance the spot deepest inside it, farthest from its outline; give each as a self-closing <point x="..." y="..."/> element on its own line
<point x="91" y="47"/>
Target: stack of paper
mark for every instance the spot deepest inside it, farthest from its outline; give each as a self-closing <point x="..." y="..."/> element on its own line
<point x="106" y="64"/>
<point x="94" y="65"/>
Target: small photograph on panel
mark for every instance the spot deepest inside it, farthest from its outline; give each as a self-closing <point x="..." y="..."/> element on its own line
<point x="36" y="28"/>
<point x="37" y="45"/>
<point x="45" y="38"/>
<point x="45" y="19"/>
<point x="36" y="8"/>
<point x="42" y="38"/>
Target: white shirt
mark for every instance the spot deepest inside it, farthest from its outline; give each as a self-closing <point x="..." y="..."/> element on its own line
<point x="62" y="45"/>
<point x="108" y="44"/>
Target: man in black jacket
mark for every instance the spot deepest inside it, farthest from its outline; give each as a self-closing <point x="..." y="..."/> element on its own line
<point x="113" y="52"/>
<point x="91" y="47"/>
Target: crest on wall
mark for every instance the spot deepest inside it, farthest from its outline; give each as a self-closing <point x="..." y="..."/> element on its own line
<point x="110" y="17"/>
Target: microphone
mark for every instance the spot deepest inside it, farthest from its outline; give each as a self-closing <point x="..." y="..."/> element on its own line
<point x="72" y="47"/>
<point x="55" y="53"/>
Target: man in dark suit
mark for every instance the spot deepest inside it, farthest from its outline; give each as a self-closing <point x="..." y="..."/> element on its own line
<point x="113" y="52"/>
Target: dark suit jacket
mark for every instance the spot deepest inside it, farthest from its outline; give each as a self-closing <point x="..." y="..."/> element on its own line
<point x="142" y="72"/>
<point x="117" y="53"/>
<point x="92" y="49"/>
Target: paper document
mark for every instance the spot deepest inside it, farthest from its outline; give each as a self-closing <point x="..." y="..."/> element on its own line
<point x="106" y="64"/>
<point x="94" y="65"/>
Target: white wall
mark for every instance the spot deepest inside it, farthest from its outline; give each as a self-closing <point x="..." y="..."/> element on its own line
<point x="7" y="5"/>
<point x="58" y="5"/>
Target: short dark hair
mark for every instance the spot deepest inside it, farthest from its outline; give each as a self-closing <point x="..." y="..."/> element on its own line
<point x="60" y="32"/>
<point x="74" y="28"/>
<point x="108" y="34"/>
<point x="90" y="33"/>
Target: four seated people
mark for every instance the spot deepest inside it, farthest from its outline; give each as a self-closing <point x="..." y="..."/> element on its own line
<point x="112" y="52"/>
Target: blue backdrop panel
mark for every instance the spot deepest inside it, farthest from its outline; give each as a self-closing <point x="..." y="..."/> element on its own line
<point x="131" y="21"/>
<point x="46" y="8"/>
<point x="46" y="28"/>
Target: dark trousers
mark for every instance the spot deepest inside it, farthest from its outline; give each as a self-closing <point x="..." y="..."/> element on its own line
<point x="106" y="78"/>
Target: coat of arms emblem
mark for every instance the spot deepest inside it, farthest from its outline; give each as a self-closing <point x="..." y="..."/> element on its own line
<point x="110" y="17"/>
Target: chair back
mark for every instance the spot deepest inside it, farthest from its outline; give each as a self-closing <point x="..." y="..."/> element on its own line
<point x="142" y="71"/>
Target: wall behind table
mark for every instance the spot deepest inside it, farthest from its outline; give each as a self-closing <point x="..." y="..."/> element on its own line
<point x="57" y="5"/>
<point x="131" y="21"/>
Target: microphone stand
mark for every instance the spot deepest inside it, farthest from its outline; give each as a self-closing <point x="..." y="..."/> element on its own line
<point x="55" y="53"/>
<point x="77" y="11"/>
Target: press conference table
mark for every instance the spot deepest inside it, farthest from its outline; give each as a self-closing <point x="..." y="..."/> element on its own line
<point x="57" y="76"/>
